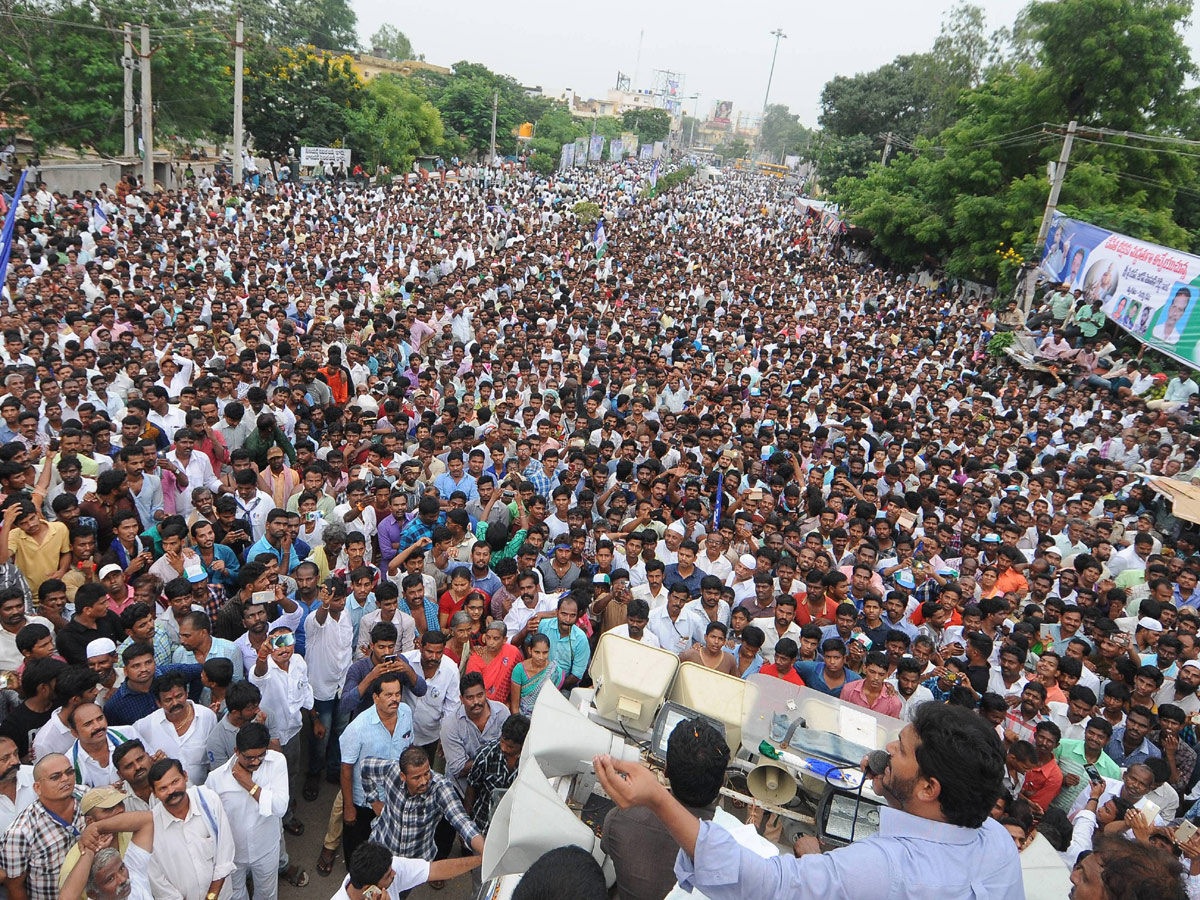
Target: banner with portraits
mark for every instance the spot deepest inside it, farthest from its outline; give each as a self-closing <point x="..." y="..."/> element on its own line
<point x="1149" y="291"/>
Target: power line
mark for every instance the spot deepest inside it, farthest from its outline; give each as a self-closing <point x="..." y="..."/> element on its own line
<point x="1137" y="149"/>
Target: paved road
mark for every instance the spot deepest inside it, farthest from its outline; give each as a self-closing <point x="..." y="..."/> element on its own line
<point x="305" y="849"/>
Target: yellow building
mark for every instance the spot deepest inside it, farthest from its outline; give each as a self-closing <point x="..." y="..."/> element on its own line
<point x="373" y="66"/>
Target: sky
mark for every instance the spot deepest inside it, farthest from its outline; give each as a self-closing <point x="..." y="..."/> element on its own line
<point x="723" y="50"/>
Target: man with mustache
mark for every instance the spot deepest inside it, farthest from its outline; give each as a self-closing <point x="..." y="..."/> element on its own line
<point x="179" y="727"/>
<point x="133" y="766"/>
<point x="253" y="786"/>
<point x="92" y="753"/>
<point x="16" y="783"/>
<point x="193" y="840"/>
<point x="34" y="847"/>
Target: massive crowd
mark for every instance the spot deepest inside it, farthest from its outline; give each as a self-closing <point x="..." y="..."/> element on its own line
<point x="324" y="487"/>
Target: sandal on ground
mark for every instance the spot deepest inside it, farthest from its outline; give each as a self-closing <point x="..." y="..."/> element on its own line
<point x="325" y="861"/>
<point x="294" y="827"/>
<point x="296" y="876"/>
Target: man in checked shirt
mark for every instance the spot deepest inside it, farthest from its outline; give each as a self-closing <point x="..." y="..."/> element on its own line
<point x="409" y="800"/>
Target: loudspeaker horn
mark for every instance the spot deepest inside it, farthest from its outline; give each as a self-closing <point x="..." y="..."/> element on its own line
<point x="771" y="784"/>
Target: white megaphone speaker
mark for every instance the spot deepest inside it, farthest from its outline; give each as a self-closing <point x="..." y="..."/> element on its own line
<point x="771" y="784"/>
<point x="563" y="740"/>
<point x="530" y="820"/>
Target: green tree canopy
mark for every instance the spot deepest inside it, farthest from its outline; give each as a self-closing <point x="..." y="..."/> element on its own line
<point x="392" y="43"/>
<point x="648" y="124"/>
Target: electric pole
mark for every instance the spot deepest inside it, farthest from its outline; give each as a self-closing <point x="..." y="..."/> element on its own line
<point x="1060" y="172"/>
<point x="778" y="33"/>
<point x="127" y="100"/>
<point x="495" y="107"/>
<point x="238" y="65"/>
<point x="147" y="114"/>
<point x="887" y="149"/>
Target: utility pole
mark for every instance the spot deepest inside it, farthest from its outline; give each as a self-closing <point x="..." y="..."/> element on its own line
<point x="491" y="153"/>
<point x="1060" y="172"/>
<point x="887" y="149"/>
<point x="778" y="33"/>
<point x="238" y="64"/>
<point x="127" y="102"/>
<point x="147" y="114"/>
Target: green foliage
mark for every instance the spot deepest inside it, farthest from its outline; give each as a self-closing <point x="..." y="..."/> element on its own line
<point x="1000" y="342"/>
<point x="393" y="126"/>
<point x="329" y="24"/>
<point x="392" y="43"/>
<point x="298" y="97"/>
<point x="669" y="181"/>
<point x="979" y="183"/>
<point x="586" y="212"/>
<point x="782" y="132"/>
<point x="464" y="99"/>
<point x="557" y="126"/>
<point x="649" y="125"/>
<point x="61" y="74"/>
<point x="733" y="148"/>
<point x="542" y="163"/>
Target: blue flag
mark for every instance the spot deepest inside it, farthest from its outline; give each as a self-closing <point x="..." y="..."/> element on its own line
<point x="654" y="175"/>
<point x="10" y="225"/>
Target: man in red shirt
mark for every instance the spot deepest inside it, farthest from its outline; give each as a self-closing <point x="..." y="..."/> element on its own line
<point x="785" y="662"/>
<point x="1045" y="780"/>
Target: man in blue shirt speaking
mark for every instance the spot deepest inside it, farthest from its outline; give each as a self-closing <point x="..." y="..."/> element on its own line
<point x="935" y="837"/>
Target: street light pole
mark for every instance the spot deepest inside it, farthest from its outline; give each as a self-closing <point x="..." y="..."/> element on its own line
<point x="778" y="33"/>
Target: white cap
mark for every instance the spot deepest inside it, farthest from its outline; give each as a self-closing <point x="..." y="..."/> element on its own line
<point x="105" y="571"/>
<point x="748" y="561"/>
<point x="100" y="647"/>
<point x="1149" y="624"/>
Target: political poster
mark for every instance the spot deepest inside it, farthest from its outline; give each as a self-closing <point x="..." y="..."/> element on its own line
<point x="657" y="150"/>
<point x="581" y="151"/>
<point x="1149" y="291"/>
<point x="616" y="149"/>
<point x="646" y="151"/>
<point x="629" y="141"/>
<point x="596" y="149"/>
<point x="722" y="112"/>
<point x="327" y="156"/>
<point x="568" y="157"/>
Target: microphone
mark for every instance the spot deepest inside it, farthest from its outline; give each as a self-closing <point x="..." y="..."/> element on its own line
<point x="878" y="761"/>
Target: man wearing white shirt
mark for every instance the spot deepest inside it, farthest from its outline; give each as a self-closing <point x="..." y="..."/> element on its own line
<point x="176" y="374"/>
<point x="530" y="602"/>
<point x="16" y="783"/>
<point x="441" y="696"/>
<point x="712" y="561"/>
<point x="282" y="677"/>
<point x="179" y="727"/>
<point x="253" y="505"/>
<point x="167" y="417"/>
<point x="193" y="854"/>
<point x="196" y="466"/>
<point x="652" y="590"/>
<point x="253" y="787"/>
<point x="668" y="623"/>
<point x="329" y="633"/>
<point x="634" y="628"/>
<point x="91" y="754"/>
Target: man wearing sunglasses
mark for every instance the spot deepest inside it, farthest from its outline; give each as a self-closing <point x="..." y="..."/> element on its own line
<point x="253" y="786"/>
<point x="286" y="696"/>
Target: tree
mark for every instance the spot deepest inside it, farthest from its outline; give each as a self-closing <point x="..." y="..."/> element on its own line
<point x="782" y="132"/>
<point x="542" y="163"/>
<point x="393" y="125"/>
<point x="733" y="148"/>
<point x="649" y="125"/>
<point x="301" y="97"/>
<point x="893" y="98"/>
<point x="464" y="99"/>
<point x="558" y="126"/>
<point x="845" y="157"/>
<point x="391" y="43"/>
<point x="329" y="24"/>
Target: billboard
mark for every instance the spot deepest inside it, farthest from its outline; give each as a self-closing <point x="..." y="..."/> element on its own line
<point x="615" y="149"/>
<point x="722" y="112"/>
<point x="1150" y="292"/>
<point x="581" y="151"/>
<point x="567" y="160"/>
<point x="596" y="148"/>
<point x="327" y="156"/>
<point x="646" y="151"/>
